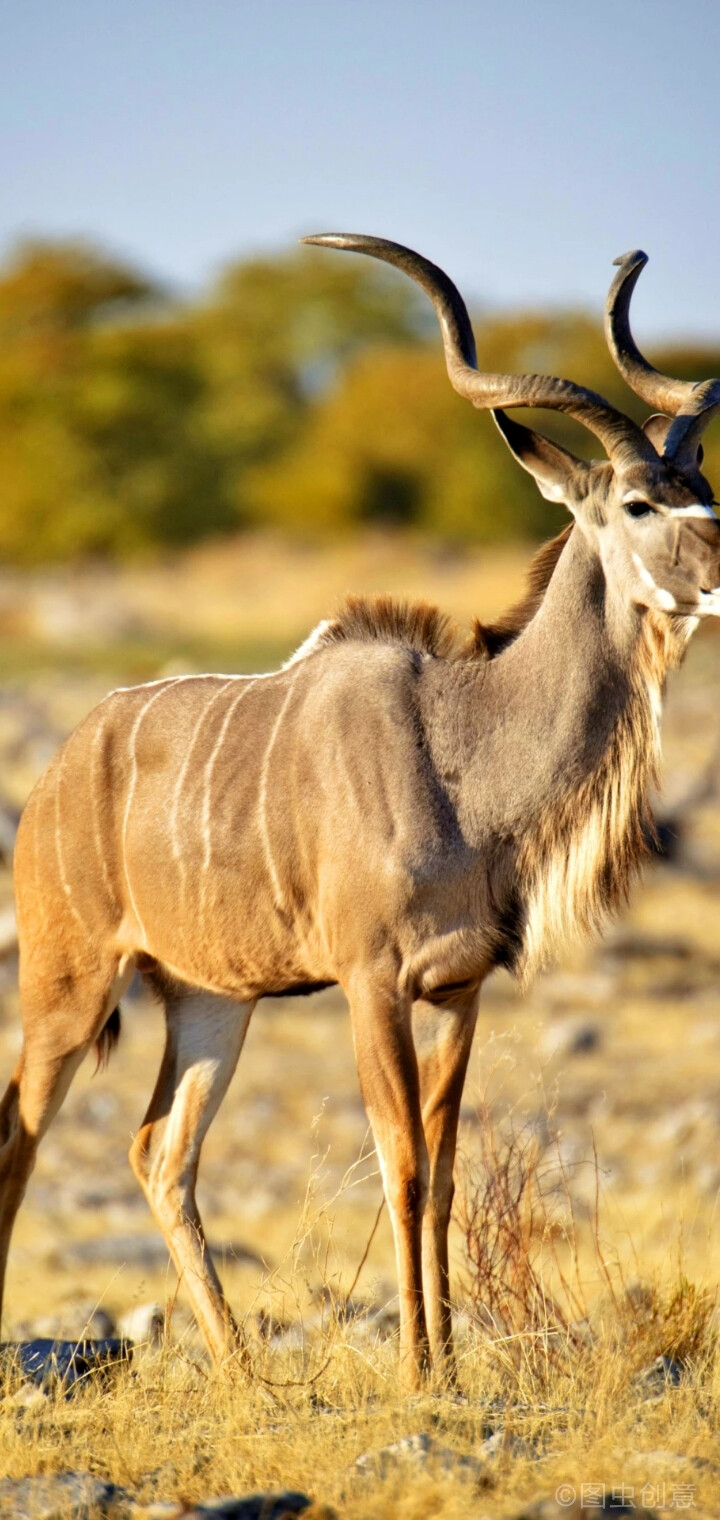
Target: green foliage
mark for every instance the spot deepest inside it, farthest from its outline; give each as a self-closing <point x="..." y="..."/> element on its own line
<point x="307" y="391"/>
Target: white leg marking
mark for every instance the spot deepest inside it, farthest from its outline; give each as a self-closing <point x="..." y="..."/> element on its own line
<point x="209" y="1035"/>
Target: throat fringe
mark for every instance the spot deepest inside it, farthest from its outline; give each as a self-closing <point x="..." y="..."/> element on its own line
<point x="586" y="850"/>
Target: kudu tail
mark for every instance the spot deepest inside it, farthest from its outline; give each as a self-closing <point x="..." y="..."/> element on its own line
<point x="107" y="1039"/>
<point x="10" y="1110"/>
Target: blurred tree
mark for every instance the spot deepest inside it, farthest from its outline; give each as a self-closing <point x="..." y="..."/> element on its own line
<point x="274" y="336"/>
<point x="62" y="287"/>
<point x="303" y="391"/>
<point x="394" y="445"/>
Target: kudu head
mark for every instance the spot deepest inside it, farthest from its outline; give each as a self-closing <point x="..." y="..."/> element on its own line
<point x="647" y="507"/>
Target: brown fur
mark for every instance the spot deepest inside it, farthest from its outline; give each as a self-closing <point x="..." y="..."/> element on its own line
<point x="415" y="625"/>
<point x="491" y="638"/>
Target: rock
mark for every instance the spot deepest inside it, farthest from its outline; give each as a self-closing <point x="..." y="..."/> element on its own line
<point x="149" y="1251"/>
<point x="375" y="1323"/>
<point x="420" y="1451"/>
<point x="80" y="1320"/>
<point x="244" y="1507"/>
<point x="571" y="1037"/>
<point x="567" y="1507"/>
<point x="144" y="1325"/>
<point x="70" y="1495"/>
<point x="28" y="1396"/>
<point x="662" y="1373"/>
<point x="50" y="1364"/>
<point x="563" y="989"/>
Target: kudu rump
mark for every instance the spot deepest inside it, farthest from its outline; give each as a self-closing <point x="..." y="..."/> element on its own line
<point x="391" y="811"/>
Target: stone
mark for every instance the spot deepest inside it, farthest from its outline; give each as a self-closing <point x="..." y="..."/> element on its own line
<point x="70" y="1495"/>
<point x="420" y="1451"/>
<point x="81" y="1320"/>
<point x="553" y="1507"/>
<point x="664" y="1372"/>
<point x="570" y="1037"/>
<point x="243" y="1507"/>
<point x="28" y="1396"/>
<point x="149" y="1251"/>
<point x="144" y="1325"/>
<point x="50" y="1364"/>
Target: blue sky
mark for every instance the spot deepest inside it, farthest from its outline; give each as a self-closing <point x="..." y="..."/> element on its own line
<point x="521" y="146"/>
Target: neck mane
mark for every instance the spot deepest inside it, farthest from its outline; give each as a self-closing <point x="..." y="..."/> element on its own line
<point x="583" y="851"/>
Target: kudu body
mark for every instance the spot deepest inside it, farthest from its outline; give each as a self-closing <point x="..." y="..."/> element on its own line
<point x="387" y="812"/>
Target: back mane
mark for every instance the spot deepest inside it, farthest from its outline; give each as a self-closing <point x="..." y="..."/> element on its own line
<point x="426" y="630"/>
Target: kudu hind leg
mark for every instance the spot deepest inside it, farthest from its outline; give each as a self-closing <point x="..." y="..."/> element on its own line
<point x="388" y="1073"/>
<point x="443" y="1038"/>
<point x="58" y="1030"/>
<point x="205" y="1034"/>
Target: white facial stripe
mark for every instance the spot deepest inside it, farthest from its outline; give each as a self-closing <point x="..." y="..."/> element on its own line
<point x="662" y="598"/>
<point x="698" y="509"/>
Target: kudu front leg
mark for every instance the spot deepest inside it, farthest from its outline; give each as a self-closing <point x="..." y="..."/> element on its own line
<point x="443" y="1040"/>
<point x="388" y="1073"/>
<point x="205" y="1035"/>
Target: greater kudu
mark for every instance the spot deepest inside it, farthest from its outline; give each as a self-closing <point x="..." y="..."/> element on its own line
<point x="388" y="812"/>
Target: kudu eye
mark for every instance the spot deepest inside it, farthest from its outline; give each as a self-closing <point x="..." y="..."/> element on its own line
<point x="639" y="508"/>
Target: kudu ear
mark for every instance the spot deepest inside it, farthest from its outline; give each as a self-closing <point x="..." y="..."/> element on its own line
<point x="657" y="427"/>
<point x="555" y="469"/>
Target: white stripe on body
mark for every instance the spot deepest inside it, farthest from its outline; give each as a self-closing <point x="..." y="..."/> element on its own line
<point x="132" y="747"/>
<point x="263" y="799"/>
<point x="210" y="766"/>
<point x="97" y="830"/>
<point x="67" y="889"/>
<point x="175" y="840"/>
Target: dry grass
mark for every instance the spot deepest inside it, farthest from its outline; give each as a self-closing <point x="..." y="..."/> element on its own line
<point x="587" y="1234"/>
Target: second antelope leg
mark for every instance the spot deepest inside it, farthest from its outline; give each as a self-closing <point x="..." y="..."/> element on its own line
<point x="62" y="1015"/>
<point x="205" y="1035"/>
<point x="388" y="1073"/>
<point x="443" y="1037"/>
